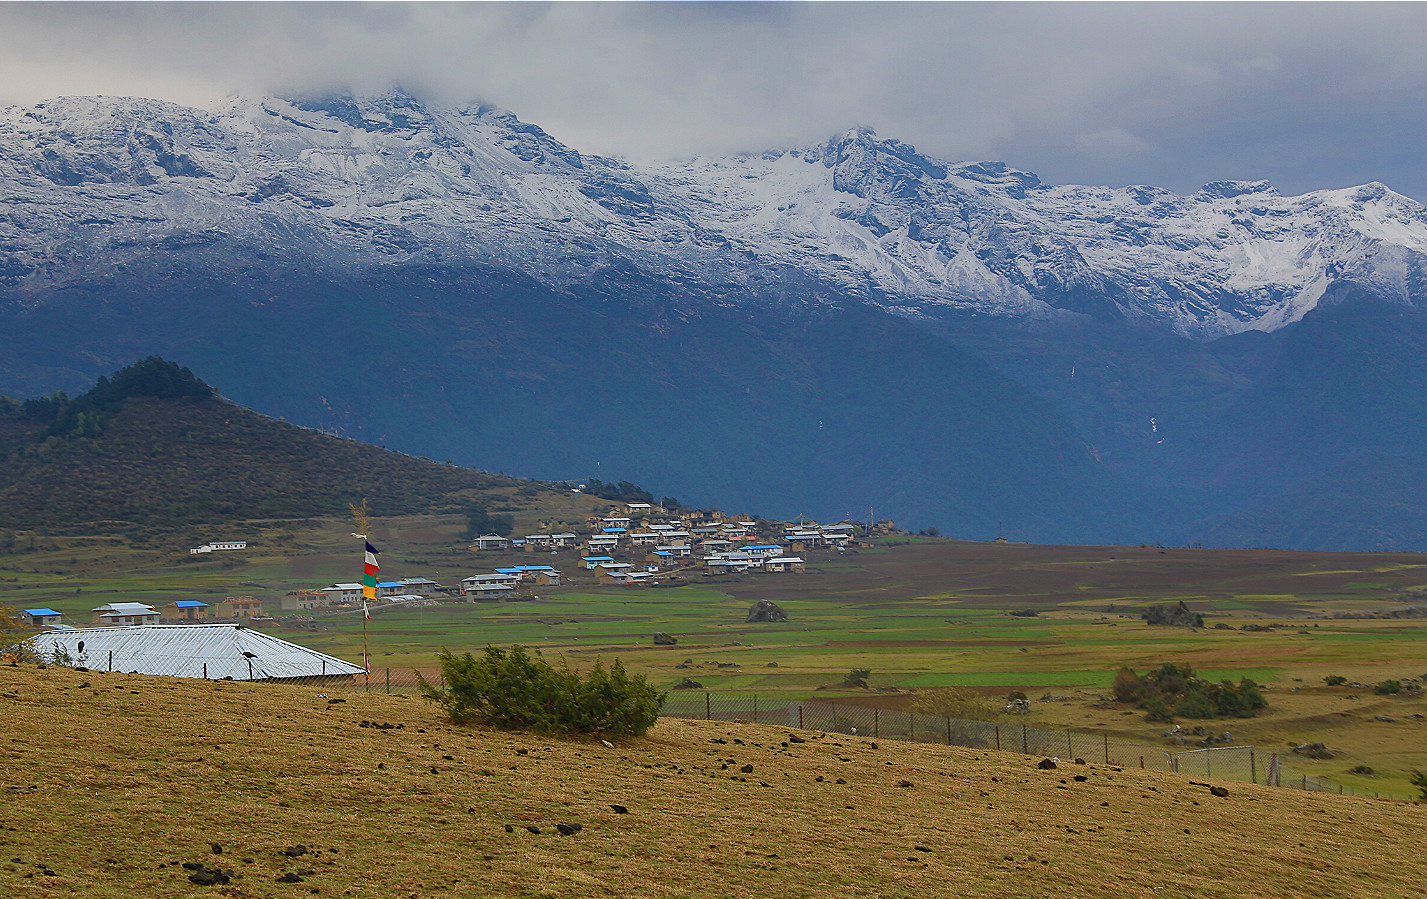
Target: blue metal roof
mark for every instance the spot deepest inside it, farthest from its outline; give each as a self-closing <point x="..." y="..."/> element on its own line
<point x="191" y="604"/>
<point x="38" y="612"/>
<point x="597" y="558"/>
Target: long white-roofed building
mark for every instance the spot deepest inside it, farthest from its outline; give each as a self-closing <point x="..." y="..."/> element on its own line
<point x="212" y="651"/>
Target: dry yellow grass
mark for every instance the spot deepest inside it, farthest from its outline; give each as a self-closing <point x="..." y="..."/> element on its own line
<point x="110" y="782"/>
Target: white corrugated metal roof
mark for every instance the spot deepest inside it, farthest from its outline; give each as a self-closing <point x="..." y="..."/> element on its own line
<point x="179" y="650"/>
<point x="125" y="608"/>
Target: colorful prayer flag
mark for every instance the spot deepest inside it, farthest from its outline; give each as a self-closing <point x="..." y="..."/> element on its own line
<point x="369" y="573"/>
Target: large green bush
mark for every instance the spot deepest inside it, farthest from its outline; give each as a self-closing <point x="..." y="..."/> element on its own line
<point x="514" y="690"/>
<point x="1176" y="691"/>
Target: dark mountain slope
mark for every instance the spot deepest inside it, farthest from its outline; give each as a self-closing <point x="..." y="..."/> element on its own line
<point x="816" y="408"/>
<point x="155" y="464"/>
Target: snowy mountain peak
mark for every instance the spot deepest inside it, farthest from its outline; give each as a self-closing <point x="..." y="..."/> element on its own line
<point x="1227" y="190"/>
<point x="377" y="180"/>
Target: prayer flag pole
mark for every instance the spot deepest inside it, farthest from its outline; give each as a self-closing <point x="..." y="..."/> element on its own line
<point x="370" y="569"/>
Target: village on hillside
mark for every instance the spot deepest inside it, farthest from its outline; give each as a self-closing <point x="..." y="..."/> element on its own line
<point x="629" y="544"/>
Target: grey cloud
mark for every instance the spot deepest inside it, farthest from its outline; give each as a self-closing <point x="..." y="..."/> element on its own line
<point x="1307" y="95"/>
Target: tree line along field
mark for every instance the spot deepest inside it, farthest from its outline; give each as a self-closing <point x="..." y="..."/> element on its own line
<point x="918" y="612"/>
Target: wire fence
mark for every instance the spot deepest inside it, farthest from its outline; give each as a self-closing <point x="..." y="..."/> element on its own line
<point x="1240" y="763"/>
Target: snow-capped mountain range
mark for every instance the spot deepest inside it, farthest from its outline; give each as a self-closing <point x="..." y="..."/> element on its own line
<point x="88" y="184"/>
<point x="816" y="329"/>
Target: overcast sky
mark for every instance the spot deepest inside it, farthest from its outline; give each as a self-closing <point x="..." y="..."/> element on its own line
<point x="1307" y="95"/>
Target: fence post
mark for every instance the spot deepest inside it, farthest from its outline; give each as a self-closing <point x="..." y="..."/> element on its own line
<point x="1069" y="746"/>
<point x="1305" y="782"/>
<point x="912" y="727"/>
<point x="877" y="721"/>
<point x="948" y="730"/>
<point x="834" y="714"/>
<point x="1025" y="742"/>
<point x="1253" y="767"/>
<point x="111" y="661"/>
<point x="708" y="708"/>
<point x="205" y="669"/>
<point x="1209" y="764"/>
<point x="1107" y="748"/>
<point x="755" y="708"/>
<point x="998" y="737"/>
<point x="800" y="717"/>
<point x="1142" y="761"/>
<point x="388" y="681"/>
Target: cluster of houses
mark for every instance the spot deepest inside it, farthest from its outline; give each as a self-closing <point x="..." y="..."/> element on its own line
<point x="183" y="611"/>
<point x="617" y="544"/>
<point x="406" y="590"/>
<point x="635" y="546"/>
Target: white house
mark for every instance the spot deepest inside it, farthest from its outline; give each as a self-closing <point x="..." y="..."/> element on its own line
<point x="125" y="614"/>
<point x="219" y="545"/>
<point x="489" y="586"/>
<point x="492" y="543"/>
<point x="337" y="594"/>
<point x="785" y="563"/>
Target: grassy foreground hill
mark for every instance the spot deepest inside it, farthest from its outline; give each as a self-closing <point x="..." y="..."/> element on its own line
<point x="113" y="783"/>
<point x="155" y="449"/>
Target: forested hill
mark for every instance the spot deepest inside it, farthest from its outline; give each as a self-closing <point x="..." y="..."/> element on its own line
<point x="153" y="448"/>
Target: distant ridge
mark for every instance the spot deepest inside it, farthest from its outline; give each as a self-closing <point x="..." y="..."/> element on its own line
<point x="154" y="448"/>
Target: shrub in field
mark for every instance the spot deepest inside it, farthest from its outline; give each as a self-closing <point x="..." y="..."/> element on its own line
<point x="857" y="677"/>
<point x="1156" y="709"/>
<point x="514" y="690"/>
<point x="1175" y="690"/>
<point x="1335" y="680"/>
<point x="1127" y="686"/>
<point x="1419" y="780"/>
<point x="1388" y="687"/>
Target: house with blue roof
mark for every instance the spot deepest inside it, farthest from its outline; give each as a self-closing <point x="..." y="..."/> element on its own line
<point x="43" y="617"/>
<point x="188" y="610"/>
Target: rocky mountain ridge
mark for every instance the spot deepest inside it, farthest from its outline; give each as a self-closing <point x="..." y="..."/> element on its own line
<point x="813" y="330"/>
<point x="89" y="183"/>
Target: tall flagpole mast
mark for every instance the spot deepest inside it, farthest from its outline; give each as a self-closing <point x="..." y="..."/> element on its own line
<point x="369" y="579"/>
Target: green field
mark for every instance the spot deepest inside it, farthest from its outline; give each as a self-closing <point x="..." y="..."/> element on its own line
<point x="918" y="612"/>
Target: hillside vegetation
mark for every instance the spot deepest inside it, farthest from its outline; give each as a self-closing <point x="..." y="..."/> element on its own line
<point x="287" y="793"/>
<point x="154" y="448"/>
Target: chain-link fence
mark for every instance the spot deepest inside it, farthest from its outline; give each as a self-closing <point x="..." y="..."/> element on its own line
<point x="264" y="663"/>
<point x="1248" y="763"/>
<point x="860" y="719"/>
<point x="1242" y="763"/>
